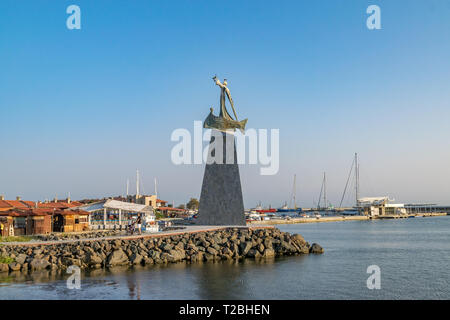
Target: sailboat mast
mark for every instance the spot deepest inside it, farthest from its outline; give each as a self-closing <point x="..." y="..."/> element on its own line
<point x="295" y="191"/>
<point x="137" y="183"/>
<point x="321" y="193"/>
<point x="325" y="190"/>
<point x="357" y="179"/>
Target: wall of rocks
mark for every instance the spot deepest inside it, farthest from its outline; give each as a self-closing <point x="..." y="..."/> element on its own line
<point x="226" y="244"/>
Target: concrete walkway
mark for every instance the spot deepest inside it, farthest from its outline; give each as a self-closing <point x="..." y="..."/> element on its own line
<point x="186" y="229"/>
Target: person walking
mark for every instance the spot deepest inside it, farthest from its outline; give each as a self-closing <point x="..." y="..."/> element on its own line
<point x="130" y="226"/>
<point x="139" y="224"/>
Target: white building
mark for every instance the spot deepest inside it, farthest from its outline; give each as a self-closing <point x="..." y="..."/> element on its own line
<point x="380" y="206"/>
<point x="113" y="214"/>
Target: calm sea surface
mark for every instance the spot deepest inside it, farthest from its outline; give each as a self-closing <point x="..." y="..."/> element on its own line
<point x="413" y="254"/>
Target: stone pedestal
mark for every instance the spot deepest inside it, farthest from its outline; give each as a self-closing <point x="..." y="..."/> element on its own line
<point x="221" y="200"/>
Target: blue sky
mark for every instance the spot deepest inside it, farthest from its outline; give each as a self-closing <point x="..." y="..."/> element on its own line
<point x="81" y="110"/>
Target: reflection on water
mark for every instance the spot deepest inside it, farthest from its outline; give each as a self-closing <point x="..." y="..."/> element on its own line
<point x="412" y="254"/>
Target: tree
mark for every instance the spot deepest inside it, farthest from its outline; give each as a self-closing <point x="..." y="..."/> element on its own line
<point x="181" y="206"/>
<point x="192" y="204"/>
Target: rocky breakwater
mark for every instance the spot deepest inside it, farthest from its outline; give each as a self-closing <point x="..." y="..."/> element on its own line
<point x="225" y="244"/>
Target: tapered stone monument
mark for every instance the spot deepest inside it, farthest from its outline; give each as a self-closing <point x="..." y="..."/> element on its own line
<point x="221" y="201"/>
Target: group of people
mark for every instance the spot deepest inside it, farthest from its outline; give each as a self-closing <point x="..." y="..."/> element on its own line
<point x="135" y="224"/>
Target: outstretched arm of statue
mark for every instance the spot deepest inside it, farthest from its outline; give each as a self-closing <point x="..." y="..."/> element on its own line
<point x="217" y="81"/>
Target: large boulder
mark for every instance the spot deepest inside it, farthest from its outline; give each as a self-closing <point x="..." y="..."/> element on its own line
<point x="14" y="266"/>
<point x="39" y="264"/>
<point x="212" y="251"/>
<point x="117" y="258"/>
<point x="167" y="247"/>
<point x="21" y="258"/>
<point x="4" y="267"/>
<point x="269" y="253"/>
<point x="253" y="253"/>
<point x="92" y="259"/>
<point x="297" y="238"/>
<point x="136" y="258"/>
<point x="147" y="261"/>
<point x="245" y="247"/>
<point x="153" y="254"/>
<point x="179" y="246"/>
<point x="197" y="257"/>
<point x="176" y="255"/>
<point x="315" y="248"/>
<point x="69" y="261"/>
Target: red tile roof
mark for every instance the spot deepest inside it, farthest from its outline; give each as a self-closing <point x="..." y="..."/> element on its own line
<point x="16" y="204"/>
<point x="57" y="205"/>
<point x="21" y="204"/>
<point x="5" y="204"/>
<point x="40" y="212"/>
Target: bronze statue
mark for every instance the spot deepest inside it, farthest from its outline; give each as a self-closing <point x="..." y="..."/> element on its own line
<point x="224" y="122"/>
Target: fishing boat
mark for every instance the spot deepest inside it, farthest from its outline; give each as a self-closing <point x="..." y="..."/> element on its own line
<point x="270" y="210"/>
<point x="284" y="208"/>
<point x="260" y="209"/>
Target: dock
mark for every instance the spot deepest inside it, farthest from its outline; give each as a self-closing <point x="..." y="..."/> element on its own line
<point x="345" y="218"/>
<point x="310" y="220"/>
<point x="412" y="215"/>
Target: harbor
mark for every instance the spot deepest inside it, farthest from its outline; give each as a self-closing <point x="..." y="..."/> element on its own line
<point x="400" y="245"/>
<point x="225" y="152"/>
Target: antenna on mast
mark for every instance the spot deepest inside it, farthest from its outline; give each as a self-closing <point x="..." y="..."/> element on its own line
<point x="156" y="190"/>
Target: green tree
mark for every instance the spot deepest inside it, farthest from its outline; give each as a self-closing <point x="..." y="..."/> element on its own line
<point x="192" y="204"/>
<point x="181" y="206"/>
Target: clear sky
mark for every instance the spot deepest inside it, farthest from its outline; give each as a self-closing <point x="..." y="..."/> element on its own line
<point x="81" y="110"/>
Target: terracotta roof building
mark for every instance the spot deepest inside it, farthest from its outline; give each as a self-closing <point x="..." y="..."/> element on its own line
<point x="27" y="217"/>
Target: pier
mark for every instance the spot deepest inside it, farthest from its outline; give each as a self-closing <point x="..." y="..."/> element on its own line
<point x="346" y="218"/>
<point x="425" y="208"/>
<point x="412" y="215"/>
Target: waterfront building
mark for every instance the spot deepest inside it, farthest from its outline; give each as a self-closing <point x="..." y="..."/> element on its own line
<point x="114" y="214"/>
<point x="147" y="200"/>
<point x="380" y="206"/>
<point x="29" y="217"/>
<point x="6" y="205"/>
<point x="31" y="221"/>
<point x="172" y="212"/>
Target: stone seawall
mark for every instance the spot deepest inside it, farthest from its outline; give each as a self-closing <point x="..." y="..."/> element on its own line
<point x="223" y="244"/>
